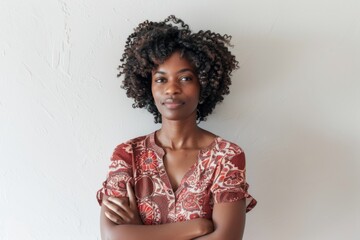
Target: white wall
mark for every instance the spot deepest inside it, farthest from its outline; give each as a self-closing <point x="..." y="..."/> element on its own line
<point x="294" y="108"/>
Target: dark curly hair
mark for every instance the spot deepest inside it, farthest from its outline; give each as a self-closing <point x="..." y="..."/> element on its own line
<point x="152" y="43"/>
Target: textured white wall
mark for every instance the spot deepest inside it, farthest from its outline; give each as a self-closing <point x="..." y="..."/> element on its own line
<point x="294" y="108"/>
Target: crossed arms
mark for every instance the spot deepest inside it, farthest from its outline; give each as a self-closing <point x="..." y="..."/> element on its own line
<point x="119" y="219"/>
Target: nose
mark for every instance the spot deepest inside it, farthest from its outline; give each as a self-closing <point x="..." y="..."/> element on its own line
<point x="172" y="88"/>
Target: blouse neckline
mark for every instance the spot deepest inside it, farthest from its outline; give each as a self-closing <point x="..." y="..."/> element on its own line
<point x="159" y="150"/>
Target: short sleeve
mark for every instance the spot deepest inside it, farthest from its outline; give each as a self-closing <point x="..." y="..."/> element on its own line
<point x="119" y="173"/>
<point x="230" y="184"/>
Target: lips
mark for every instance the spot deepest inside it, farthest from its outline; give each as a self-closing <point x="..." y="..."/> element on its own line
<point x="172" y="103"/>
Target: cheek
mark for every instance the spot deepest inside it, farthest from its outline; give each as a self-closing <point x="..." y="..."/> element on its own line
<point x="155" y="96"/>
<point x="197" y="93"/>
<point x="153" y="92"/>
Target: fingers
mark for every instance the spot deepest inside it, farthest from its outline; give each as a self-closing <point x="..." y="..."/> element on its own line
<point x="123" y="210"/>
<point x="119" y="201"/>
<point x="131" y="195"/>
<point x="123" y="204"/>
<point x="119" y="209"/>
<point x="120" y="204"/>
<point x="114" y="218"/>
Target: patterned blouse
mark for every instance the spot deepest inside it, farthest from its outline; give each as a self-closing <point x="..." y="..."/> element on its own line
<point x="218" y="176"/>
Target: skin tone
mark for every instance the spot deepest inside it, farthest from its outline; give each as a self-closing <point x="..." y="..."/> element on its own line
<point x="175" y="88"/>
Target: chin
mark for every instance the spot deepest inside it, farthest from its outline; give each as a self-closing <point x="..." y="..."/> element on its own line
<point x="173" y="117"/>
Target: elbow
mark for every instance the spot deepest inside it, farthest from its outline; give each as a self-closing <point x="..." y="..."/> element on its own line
<point x="105" y="235"/>
<point x="229" y="237"/>
<point x="109" y="234"/>
<point x="116" y="232"/>
<point x="217" y="235"/>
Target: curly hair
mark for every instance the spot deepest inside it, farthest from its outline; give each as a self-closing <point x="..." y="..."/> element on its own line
<point x="152" y="43"/>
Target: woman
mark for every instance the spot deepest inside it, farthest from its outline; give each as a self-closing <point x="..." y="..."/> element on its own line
<point x="180" y="182"/>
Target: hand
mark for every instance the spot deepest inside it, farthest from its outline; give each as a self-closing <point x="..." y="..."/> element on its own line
<point x="123" y="210"/>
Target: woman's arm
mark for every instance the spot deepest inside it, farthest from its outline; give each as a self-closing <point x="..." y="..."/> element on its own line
<point x="229" y="221"/>
<point x="180" y="230"/>
<point x="129" y="226"/>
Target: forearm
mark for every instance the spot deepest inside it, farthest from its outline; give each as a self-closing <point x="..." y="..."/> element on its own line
<point x="116" y="224"/>
<point x="218" y="236"/>
<point x="175" y="231"/>
<point x="232" y="234"/>
<point x="229" y="221"/>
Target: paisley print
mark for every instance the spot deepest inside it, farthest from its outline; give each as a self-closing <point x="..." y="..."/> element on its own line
<point x="147" y="161"/>
<point x="149" y="213"/>
<point x="219" y="176"/>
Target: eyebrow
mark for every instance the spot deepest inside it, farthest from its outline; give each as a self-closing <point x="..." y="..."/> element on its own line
<point x="180" y="71"/>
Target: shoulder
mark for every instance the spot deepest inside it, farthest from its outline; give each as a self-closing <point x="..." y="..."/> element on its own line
<point x="227" y="147"/>
<point x="125" y="150"/>
<point x="229" y="153"/>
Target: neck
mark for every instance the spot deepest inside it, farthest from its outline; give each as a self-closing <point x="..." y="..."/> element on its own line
<point x="178" y="134"/>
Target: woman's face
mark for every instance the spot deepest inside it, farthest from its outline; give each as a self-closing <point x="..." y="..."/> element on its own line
<point x="175" y="88"/>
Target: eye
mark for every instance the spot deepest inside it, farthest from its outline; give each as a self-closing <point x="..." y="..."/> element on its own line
<point x="185" y="78"/>
<point x="159" y="80"/>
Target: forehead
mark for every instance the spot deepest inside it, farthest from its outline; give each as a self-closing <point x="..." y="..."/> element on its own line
<point x="175" y="63"/>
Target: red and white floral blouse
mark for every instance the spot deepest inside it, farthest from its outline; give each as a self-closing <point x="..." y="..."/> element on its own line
<point x="218" y="176"/>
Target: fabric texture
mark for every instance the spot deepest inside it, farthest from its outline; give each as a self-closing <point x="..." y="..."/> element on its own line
<point x="218" y="176"/>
